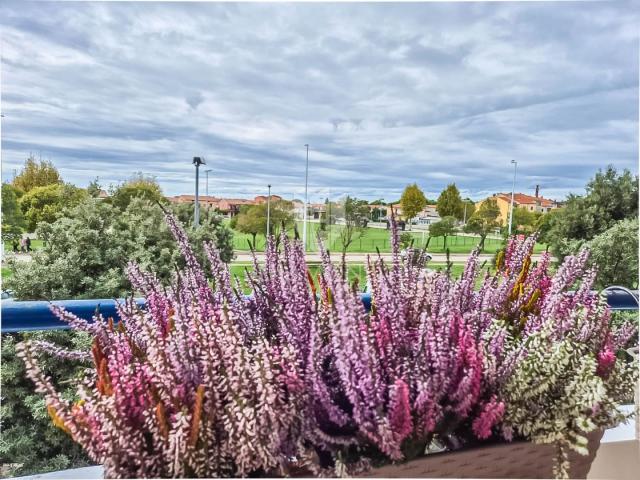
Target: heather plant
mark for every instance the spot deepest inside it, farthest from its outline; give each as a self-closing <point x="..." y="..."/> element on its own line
<point x="301" y="378"/>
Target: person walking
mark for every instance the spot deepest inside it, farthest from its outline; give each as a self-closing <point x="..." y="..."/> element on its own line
<point x="23" y="245"/>
<point x="15" y="245"/>
<point x="28" y="244"/>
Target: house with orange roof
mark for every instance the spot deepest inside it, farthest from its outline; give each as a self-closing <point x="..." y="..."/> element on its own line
<point x="533" y="203"/>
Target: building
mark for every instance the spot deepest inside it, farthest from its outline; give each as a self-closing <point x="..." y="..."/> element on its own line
<point x="226" y="206"/>
<point x="535" y="203"/>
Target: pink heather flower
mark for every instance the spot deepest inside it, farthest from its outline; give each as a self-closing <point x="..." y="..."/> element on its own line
<point x="490" y="415"/>
<point x="400" y="411"/>
<point x="606" y="361"/>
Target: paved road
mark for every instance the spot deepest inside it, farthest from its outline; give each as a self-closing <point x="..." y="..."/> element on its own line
<point x="245" y="257"/>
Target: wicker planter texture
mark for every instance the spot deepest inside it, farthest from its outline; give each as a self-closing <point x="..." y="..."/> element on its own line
<point x="507" y="460"/>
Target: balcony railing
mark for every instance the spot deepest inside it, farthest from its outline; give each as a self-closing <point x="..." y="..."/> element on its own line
<point x="19" y="316"/>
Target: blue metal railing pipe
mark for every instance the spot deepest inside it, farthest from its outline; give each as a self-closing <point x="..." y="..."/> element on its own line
<point x="20" y="316"/>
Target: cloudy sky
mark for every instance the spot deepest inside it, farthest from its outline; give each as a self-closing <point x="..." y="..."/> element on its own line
<point x="384" y="94"/>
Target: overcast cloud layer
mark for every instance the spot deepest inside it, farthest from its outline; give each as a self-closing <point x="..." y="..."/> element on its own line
<point x="384" y="94"/>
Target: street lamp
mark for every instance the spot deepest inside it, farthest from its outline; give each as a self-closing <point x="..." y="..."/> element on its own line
<point x="197" y="161"/>
<point x="207" y="173"/>
<point x="304" y="222"/>
<point x="513" y="189"/>
<point x="268" y="210"/>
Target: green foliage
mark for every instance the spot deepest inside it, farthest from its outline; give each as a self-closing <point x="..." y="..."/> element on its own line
<point x="86" y="251"/>
<point x="610" y="197"/>
<point x="29" y="441"/>
<point x="412" y="201"/>
<point x="12" y="218"/>
<point x="45" y="204"/>
<point x="470" y="207"/>
<point x="524" y="220"/>
<point x="94" y="188"/>
<point x="253" y="220"/>
<point x="449" y="203"/>
<point x="484" y="220"/>
<point x="137" y="186"/>
<point x="36" y="174"/>
<point x="443" y="228"/>
<point x="406" y="239"/>
<point x="615" y="253"/>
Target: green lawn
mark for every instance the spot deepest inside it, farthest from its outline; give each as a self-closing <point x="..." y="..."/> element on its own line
<point x="353" y="271"/>
<point x="6" y="273"/>
<point x="378" y="238"/>
<point x="35" y="245"/>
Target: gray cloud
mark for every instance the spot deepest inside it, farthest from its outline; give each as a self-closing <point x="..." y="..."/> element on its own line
<point x="384" y="94"/>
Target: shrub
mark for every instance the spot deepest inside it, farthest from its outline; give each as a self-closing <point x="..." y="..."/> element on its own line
<point x="86" y="251"/>
<point x="615" y="252"/>
<point x="30" y="442"/>
<point x="205" y="382"/>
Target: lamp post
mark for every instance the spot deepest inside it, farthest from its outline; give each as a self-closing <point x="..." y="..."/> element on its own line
<point x="268" y="211"/>
<point x="197" y="161"/>
<point x="513" y="189"/>
<point x="304" y="221"/>
<point x="207" y="174"/>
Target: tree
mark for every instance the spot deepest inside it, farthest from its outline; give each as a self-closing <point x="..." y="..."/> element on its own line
<point x="610" y="197"/>
<point x="45" y="204"/>
<point x="443" y="228"/>
<point x="12" y="218"/>
<point x="468" y="208"/>
<point x="524" y="220"/>
<point x="484" y="220"/>
<point x="615" y="254"/>
<point x="94" y="188"/>
<point x="36" y="174"/>
<point x="86" y="251"/>
<point x="412" y="202"/>
<point x="253" y="220"/>
<point x="355" y="213"/>
<point x="137" y="186"/>
<point x="449" y="203"/>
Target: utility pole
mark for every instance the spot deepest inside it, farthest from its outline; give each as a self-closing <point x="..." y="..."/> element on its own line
<point x="306" y="201"/>
<point x="268" y="211"/>
<point x="197" y="161"/>
<point x="207" y="173"/>
<point x="513" y="189"/>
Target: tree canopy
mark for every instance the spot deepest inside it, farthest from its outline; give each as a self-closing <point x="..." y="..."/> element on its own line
<point x="484" y="220"/>
<point x="138" y="186"/>
<point x="615" y="254"/>
<point x="36" y="174"/>
<point x="45" y="204"/>
<point x="450" y="203"/>
<point x="412" y="201"/>
<point x="94" y="188"/>
<point x="252" y="220"/>
<point x="443" y="228"/>
<point x="12" y="218"/>
<point x="610" y="197"/>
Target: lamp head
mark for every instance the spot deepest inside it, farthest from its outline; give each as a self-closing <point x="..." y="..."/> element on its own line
<point x="197" y="161"/>
<point x="513" y="161"/>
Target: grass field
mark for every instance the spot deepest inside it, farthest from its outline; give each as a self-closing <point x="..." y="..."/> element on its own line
<point x="353" y="271"/>
<point x="379" y="238"/>
<point x="6" y="273"/>
<point x="35" y="245"/>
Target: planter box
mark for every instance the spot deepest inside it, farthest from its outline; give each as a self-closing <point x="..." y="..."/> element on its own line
<point x="506" y="460"/>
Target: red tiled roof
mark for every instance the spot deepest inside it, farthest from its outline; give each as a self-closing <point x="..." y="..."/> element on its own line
<point x="523" y="199"/>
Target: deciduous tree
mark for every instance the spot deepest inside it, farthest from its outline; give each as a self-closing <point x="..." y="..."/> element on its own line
<point x="45" y="204"/>
<point x="355" y="214"/>
<point x="444" y="228"/>
<point x="484" y="220"/>
<point x="12" y="218"/>
<point x="449" y="203"/>
<point x="36" y="174"/>
<point x="412" y="202"/>
<point x="140" y="186"/>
